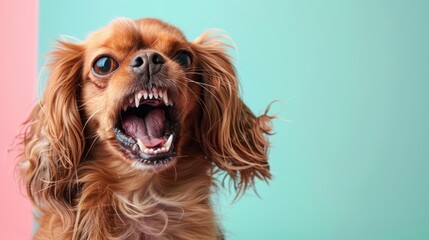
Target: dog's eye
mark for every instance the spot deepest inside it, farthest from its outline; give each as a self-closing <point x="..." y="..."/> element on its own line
<point x="183" y="58"/>
<point x="105" y="65"/>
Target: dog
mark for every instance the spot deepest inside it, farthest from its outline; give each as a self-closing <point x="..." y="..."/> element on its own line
<point x="134" y="126"/>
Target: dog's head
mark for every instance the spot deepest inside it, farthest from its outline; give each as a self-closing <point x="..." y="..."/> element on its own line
<point x="139" y="91"/>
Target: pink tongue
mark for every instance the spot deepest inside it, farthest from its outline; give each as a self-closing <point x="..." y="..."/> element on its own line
<point x="149" y="130"/>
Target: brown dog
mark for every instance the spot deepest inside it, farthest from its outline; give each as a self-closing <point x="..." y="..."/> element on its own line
<point x="133" y="125"/>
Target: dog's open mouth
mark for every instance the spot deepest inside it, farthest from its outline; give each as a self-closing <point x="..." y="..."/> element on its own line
<point x="146" y="126"/>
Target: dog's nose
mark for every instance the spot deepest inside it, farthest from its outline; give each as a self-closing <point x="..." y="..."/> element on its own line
<point x="147" y="61"/>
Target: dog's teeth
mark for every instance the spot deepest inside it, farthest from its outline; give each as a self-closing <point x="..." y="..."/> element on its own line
<point x="165" y="97"/>
<point x="137" y="98"/>
<point x="141" y="146"/>
<point x="137" y="101"/>
<point x="135" y="147"/>
<point x="145" y="94"/>
<point x="150" y="95"/>
<point x="146" y="151"/>
<point x="167" y="144"/>
<point x="155" y="92"/>
<point x="160" y="93"/>
<point x="124" y="107"/>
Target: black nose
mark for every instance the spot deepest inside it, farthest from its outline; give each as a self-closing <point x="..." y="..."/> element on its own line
<point x="147" y="61"/>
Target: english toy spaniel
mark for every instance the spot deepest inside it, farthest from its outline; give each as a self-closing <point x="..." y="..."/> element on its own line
<point x="132" y="127"/>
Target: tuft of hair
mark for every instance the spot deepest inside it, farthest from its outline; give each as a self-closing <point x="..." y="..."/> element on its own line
<point x="231" y="135"/>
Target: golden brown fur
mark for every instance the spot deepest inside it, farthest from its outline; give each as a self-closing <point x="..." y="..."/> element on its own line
<point x="84" y="187"/>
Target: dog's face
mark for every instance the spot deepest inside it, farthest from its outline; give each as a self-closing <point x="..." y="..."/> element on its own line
<point x="141" y="90"/>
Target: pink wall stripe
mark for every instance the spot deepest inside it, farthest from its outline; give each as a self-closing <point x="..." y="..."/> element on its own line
<point x="18" y="67"/>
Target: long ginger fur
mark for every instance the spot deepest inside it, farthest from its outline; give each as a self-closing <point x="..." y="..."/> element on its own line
<point x="84" y="187"/>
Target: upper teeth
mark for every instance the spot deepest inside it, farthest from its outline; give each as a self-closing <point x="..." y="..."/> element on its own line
<point x="154" y="93"/>
<point x="137" y="98"/>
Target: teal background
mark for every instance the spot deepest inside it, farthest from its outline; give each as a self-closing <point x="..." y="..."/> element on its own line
<point x="351" y="156"/>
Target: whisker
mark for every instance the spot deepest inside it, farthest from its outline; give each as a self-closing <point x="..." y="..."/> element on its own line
<point x="89" y="118"/>
<point x="91" y="146"/>
<point x="208" y="90"/>
<point x="200" y="101"/>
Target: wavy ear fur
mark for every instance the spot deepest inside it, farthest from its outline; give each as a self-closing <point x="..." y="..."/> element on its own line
<point x="53" y="141"/>
<point x="230" y="133"/>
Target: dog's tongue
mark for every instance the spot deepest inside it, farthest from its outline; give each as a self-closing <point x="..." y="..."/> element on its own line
<point x="149" y="130"/>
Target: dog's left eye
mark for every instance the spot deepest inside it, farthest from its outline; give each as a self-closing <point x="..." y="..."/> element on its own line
<point x="183" y="58"/>
<point x="105" y="65"/>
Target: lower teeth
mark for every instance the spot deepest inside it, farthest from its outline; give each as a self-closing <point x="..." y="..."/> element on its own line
<point x="163" y="149"/>
<point x="155" y="162"/>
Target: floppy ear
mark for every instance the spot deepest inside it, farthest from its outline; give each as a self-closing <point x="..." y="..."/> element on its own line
<point x="54" y="141"/>
<point x="229" y="132"/>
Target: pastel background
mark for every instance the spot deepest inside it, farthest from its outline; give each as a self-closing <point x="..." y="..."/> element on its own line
<point x="351" y="158"/>
<point x="18" y="68"/>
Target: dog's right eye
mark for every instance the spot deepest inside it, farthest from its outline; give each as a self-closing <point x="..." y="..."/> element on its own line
<point x="105" y="65"/>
